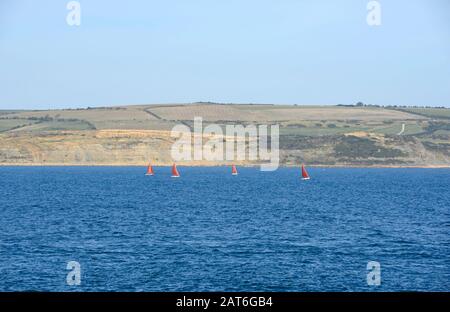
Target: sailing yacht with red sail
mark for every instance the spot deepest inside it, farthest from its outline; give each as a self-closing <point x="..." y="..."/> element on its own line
<point x="149" y="170"/>
<point x="234" y="170"/>
<point x="305" y="175"/>
<point x="175" y="173"/>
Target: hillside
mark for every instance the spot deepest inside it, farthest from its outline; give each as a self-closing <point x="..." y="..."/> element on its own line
<point x="316" y="135"/>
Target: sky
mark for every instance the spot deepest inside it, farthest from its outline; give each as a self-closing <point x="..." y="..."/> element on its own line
<point x="228" y="51"/>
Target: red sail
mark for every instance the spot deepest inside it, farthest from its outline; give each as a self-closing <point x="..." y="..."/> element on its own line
<point x="234" y="170"/>
<point x="304" y="173"/>
<point x="150" y="170"/>
<point x="175" y="172"/>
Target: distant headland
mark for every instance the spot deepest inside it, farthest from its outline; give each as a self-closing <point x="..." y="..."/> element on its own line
<point x="333" y="136"/>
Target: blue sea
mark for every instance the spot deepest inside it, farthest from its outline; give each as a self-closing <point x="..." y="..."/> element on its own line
<point x="210" y="231"/>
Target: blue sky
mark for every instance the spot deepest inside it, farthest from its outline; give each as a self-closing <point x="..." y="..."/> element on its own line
<point x="241" y="51"/>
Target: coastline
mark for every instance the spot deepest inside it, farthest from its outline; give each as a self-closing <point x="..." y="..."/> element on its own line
<point x="219" y="165"/>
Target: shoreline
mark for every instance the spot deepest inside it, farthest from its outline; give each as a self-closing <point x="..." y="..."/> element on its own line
<point x="221" y="165"/>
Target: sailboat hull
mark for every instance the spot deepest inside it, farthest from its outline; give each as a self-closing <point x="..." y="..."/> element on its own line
<point x="306" y="178"/>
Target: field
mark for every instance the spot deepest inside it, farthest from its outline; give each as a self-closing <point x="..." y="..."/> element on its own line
<point x="429" y="112"/>
<point x="275" y="113"/>
<point x="10" y="124"/>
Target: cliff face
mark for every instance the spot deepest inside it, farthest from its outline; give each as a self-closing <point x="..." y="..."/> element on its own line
<point x="364" y="149"/>
<point x="138" y="147"/>
<point x="103" y="147"/>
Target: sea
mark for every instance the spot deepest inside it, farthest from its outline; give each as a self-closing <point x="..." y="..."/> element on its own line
<point x="346" y="229"/>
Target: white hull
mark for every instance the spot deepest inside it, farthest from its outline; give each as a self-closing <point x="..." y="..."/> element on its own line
<point x="234" y="174"/>
<point x="175" y="176"/>
<point x="306" y="178"/>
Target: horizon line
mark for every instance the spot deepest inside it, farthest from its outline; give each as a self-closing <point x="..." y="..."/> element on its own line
<point x="357" y="104"/>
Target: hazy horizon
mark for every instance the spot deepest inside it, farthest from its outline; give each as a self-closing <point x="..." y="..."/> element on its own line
<point x="287" y="52"/>
<point x="215" y="103"/>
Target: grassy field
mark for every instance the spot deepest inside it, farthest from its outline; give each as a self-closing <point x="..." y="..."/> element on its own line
<point x="10" y="124"/>
<point x="429" y="112"/>
<point x="55" y="125"/>
<point x="92" y="114"/>
<point x="264" y="113"/>
<point x="134" y="124"/>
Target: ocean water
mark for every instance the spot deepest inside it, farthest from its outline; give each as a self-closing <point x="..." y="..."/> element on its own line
<point x="210" y="231"/>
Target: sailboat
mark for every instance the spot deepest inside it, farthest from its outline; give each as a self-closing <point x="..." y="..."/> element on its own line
<point x="305" y="175"/>
<point x="149" y="170"/>
<point x="234" y="170"/>
<point x="175" y="173"/>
